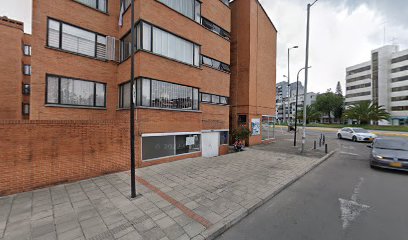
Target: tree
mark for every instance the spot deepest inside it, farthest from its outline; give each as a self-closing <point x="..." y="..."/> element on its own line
<point x="365" y="112"/>
<point x="330" y="104"/>
<point x="311" y="114"/>
<point x="339" y="90"/>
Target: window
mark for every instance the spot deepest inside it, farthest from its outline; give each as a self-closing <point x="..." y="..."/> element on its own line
<point x="27" y="70"/>
<point x="215" y="64"/>
<point x="100" y="5"/>
<point x="74" y="92"/>
<point x="215" y="28"/>
<point x="400" y="108"/>
<point x="167" y="146"/>
<point x="126" y="3"/>
<point x="27" y="50"/>
<point x="125" y="46"/>
<point x="158" y="41"/>
<point x="214" y="99"/>
<point x="26" y="109"/>
<point x="359" y="86"/>
<point x="76" y="40"/>
<point x="224" y="138"/>
<point x="358" y="78"/>
<point x="26" y="89"/>
<point x="402" y="98"/>
<point x="400" y="59"/>
<point x="159" y="94"/>
<point x="242" y="119"/>
<point x="358" y="94"/>
<point x="358" y="70"/>
<point x="189" y="8"/>
<point x="399" y="79"/>
<point x="399" y="89"/>
<point x="399" y="69"/>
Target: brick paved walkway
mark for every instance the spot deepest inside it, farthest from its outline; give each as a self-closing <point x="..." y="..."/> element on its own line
<point x="190" y="199"/>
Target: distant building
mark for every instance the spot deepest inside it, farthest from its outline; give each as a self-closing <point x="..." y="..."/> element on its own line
<point x="383" y="81"/>
<point x="286" y="102"/>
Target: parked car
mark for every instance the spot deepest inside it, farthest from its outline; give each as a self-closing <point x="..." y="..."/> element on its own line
<point x="389" y="153"/>
<point x="356" y="134"/>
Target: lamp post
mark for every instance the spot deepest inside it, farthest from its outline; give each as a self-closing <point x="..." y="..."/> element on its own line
<point x="289" y="92"/>
<point x="132" y="105"/>
<point x="296" y="104"/>
<point x="283" y="104"/>
<point x="306" y="71"/>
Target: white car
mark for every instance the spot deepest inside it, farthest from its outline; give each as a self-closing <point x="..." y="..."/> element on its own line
<point x="356" y="134"/>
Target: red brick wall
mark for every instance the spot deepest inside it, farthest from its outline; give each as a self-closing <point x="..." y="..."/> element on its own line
<point x="36" y="154"/>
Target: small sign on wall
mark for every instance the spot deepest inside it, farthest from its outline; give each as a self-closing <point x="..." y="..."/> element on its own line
<point x="256" y="126"/>
<point x="190" y="141"/>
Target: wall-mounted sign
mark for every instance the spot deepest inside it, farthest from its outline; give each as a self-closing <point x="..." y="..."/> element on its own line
<point x="190" y="141"/>
<point x="256" y="126"/>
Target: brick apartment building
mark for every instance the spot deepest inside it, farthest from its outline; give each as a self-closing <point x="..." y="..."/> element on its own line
<point x="15" y="70"/>
<point x="185" y="84"/>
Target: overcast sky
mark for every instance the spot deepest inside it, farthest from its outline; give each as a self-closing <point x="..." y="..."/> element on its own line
<point x="343" y="32"/>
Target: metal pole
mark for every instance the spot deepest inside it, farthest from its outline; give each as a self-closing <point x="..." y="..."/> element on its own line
<point x="132" y="105"/>
<point x="296" y="105"/>
<point x="288" y="83"/>
<point x="306" y="75"/>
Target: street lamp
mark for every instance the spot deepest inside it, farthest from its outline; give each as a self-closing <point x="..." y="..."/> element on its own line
<point x="296" y="105"/>
<point x="289" y="68"/>
<point x="283" y="105"/>
<point x="306" y="71"/>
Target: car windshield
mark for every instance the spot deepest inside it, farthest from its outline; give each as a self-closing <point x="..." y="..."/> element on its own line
<point x="360" y="130"/>
<point x="391" y="144"/>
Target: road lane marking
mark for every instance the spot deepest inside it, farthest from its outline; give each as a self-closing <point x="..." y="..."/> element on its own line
<point x="347" y="153"/>
<point x="351" y="209"/>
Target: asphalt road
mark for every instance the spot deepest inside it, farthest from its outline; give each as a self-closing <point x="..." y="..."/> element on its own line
<point x="343" y="198"/>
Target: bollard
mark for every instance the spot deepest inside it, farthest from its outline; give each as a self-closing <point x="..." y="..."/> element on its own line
<point x="324" y="139"/>
<point x="320" y="142"/>
<point x="325" y="149"/>
<point x="314" y="145"/>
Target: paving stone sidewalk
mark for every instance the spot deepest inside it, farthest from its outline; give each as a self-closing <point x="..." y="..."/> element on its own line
<point x="189" y="199"/>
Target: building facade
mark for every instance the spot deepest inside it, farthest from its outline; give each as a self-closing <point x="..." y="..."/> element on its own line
<point x="288" y="104"/>
<point x="253" y="69"/>
<point x="15" y="70"/>
<point x="382" y="81"/>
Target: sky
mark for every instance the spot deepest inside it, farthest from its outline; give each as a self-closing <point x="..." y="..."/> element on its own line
<point x="342" y="34"/>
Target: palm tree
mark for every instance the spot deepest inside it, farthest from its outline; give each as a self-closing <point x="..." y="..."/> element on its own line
<point x="311" y="114"/>
<point x="365" y="112"/>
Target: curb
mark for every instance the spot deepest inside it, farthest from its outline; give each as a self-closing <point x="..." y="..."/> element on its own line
<point x="222" y="226"/>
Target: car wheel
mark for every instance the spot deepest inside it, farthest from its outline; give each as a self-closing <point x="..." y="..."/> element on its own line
<point x="339" y="136"/>
<point x="354" y="139"/>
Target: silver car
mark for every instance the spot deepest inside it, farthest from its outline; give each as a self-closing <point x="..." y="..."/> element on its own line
<point x="389" y="153"/>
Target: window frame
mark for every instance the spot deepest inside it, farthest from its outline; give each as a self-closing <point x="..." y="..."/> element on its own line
<point x="194" y="10"/>
<point x="25" y="113"/>
<point x="211" y="97"/>
<point x="213" y="28"/>
<point x="59" y="48"/>
<point x="28" y="47"/>
<point x="97" y="6"/>
<point x="139" y="95"/>
<point x="220" y="68"/>
<point x="74" y="105"/>
<point x="26" y="89"/>
<point x="29" y="70"/>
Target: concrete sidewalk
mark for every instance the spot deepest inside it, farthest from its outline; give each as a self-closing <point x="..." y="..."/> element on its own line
<point x="190" y="199"/>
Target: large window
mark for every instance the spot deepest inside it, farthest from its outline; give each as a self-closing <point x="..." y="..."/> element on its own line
<point x="399" y="108"/>
<point x="101" y="5"/>
<point x="399" y="89"/>
<point x="27" y="70"/>
<point x="358" y="94"/>
<point x="27" y="50"/>
<point x="76" y="40"/>
<point x="399" y="59"/>
<point x="358" y="70"/>
<point x="126" y="3"/>
<point x="158" y="41"/>
<point x="358" y="78"/>
<point x="159" y="94"/>
<point x="397" y="99"/>
<point x="166" y="146"/>
<point x="215" y="28"/>
<point x="212" y="63"/>
<point x="214" y="99"/>
<point x="399" y="69"/>
<point x="69" y="91"/>
<point x="359" y="86"/>
<point x="189" y="8"/>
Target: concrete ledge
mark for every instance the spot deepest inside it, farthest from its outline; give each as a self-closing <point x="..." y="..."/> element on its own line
<point x="222" y="226"/>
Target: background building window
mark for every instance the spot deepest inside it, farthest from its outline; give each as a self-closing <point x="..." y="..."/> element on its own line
<point x="26" y="109"/>
<point x="27" y="50"/>
<point x="100" y="5"/>
<point x="242" y="119"/>
<point x="212" y="63"/>
<point x="76" y="40"/>
<point x="27" y="70"/>
<point x="26" y="89"/>
<point x="167" y="146"/>
<point x="214" y="99"/>
<point x="215" y="28"/>
<point x="224" y="138"/>
<point x="74" y="92"/>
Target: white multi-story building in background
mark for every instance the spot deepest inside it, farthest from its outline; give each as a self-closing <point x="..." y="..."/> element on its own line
<point x="286" y="102"/>
<point x="383" y="81"/>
